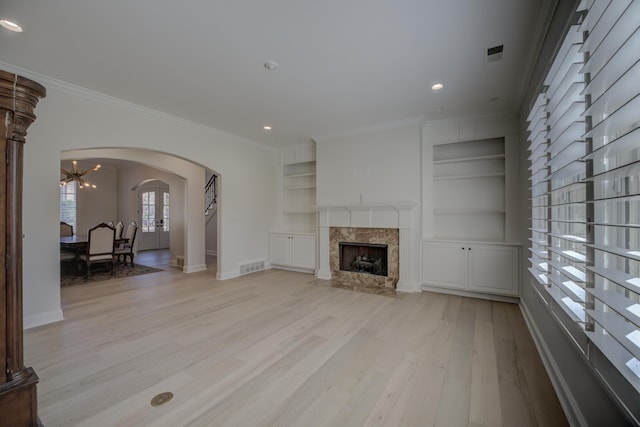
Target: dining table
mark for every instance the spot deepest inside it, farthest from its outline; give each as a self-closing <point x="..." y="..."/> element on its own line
<point x="80" y="241"/>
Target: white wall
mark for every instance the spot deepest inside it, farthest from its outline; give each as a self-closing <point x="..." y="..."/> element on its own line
<point x="373" y="167"/>
<point x="211" y="237"/>
<point x="369" y="167"/>
<point x="71" y="118"/>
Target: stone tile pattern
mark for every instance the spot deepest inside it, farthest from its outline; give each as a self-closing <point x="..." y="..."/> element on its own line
<point x="365" y="282"/>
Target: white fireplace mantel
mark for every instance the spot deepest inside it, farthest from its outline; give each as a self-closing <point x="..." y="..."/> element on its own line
<point x="371" y="215"/>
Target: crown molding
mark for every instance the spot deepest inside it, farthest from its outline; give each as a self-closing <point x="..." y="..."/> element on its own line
<point x="79" y="91"/>
<point x="510" y="113"/>
<point x="411" y="121"/>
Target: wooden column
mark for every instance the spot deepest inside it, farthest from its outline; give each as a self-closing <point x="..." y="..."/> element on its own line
<point x="18" y="397"/>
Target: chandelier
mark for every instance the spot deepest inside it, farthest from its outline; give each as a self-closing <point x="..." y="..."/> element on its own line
<point x="76" y="174"/>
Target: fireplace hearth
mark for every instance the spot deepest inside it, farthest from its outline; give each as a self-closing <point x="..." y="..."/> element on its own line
<point x="365" y="258"/>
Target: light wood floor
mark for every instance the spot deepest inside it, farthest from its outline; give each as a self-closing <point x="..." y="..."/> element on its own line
<point x="278" y="348"/>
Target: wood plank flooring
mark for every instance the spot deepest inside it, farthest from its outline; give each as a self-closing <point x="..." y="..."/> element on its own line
<point x="278" y="348"/>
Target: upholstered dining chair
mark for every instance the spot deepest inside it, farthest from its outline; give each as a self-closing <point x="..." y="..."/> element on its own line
<point x="100" y="247"/>
<point x="65" y="229"/>
<point x="126" y="250"/>
<point x="119" y="226"/>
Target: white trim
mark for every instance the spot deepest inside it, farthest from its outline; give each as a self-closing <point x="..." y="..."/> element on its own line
<point x="470" y="294"/>
<point x="42" y="319"/>
<point x="211" y="252"/>
<point x="194" y="268"/>
<point x="82" y="92"/>
<point x="411" y="121"/>
<point x="227" y="275"/>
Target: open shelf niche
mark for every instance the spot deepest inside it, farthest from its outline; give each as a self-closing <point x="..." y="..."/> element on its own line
<point x="469" y="190"/>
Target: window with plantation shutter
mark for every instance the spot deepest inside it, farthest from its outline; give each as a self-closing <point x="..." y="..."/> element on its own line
<point x="584" y="143"/>
<point x="68" y="203"/>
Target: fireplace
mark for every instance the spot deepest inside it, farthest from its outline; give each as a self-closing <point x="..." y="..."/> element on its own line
<point x="375" y="224"/>
<point x="368" y="258"/>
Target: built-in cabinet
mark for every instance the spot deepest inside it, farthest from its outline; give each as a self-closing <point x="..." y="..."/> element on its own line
<point x="474" y="267"/>
<point x="294" y="245"/>
<point x="293" y="250"/>
<point x="473" y="202"/>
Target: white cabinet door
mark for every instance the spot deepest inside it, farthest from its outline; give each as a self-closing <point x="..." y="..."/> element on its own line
<point x="303" y="251"/>
<point x="487" y="269"/>
<point x="280" y="249"/>
<point x="445" y="265"/>
<point x="293" y="250"/>
<point x="494" y="269"/>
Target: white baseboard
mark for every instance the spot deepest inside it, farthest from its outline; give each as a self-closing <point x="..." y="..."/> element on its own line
<point x="42" y="319"/>
<point x="227" y="275"/>
<point x="479" y="295"/>
<point x="194" y="268"/>
<point x="405" y="286"/>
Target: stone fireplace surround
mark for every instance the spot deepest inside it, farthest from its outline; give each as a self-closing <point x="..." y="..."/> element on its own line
<point x="395" y="216"/>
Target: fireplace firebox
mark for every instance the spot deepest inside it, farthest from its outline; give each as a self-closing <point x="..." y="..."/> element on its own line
<point x="370" y="258"/>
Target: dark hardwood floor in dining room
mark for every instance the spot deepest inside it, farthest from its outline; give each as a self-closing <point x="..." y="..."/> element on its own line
<point x="280" y="348"/>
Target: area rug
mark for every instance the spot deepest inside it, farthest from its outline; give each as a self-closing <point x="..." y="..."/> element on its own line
<point x="71" y="278"/>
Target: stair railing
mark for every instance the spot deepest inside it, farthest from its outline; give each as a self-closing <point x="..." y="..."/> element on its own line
<point x="210" y="195"/>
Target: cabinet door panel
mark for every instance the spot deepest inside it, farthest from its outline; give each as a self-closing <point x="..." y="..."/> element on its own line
<point x="280" y="249"/>
<point x="444" y="265"/>
<point x="493" y="269"/>
<point x="303" y="251"/>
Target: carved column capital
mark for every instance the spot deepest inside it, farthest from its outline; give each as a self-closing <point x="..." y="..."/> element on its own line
<point x="19" y="97"/>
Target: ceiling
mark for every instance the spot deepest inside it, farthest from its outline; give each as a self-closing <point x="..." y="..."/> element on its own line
<point x="343" y="65"/>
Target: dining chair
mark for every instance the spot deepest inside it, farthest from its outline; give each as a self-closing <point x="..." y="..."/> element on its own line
<point x="65" y="229"/>
<point x="119" y="226"/>
<point x="126" y="250"/>
<point x="100" y="247"/>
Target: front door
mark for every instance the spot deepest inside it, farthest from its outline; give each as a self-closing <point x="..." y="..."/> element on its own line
<point x="153" y="208"/>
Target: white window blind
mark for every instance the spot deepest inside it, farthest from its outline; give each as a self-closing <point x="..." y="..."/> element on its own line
<point x="584" y="135"/>
<point x="613" y="114"/>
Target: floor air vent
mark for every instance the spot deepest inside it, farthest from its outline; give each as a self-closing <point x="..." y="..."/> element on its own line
<point x="251" y="267"/>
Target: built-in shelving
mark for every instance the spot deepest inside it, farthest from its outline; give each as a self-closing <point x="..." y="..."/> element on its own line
<point x="293" y="246"/>
<point x="469" y="190"/>
<point x="299" y="189"/>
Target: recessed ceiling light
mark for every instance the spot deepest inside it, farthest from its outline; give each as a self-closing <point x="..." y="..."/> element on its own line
<point x="267" y="127"/>
<point x="11" y="26"/>
<point x="270" y="65"/>
<point x="437" y="86"/>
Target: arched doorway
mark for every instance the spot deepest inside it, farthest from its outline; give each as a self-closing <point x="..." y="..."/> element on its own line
<point x="187" y="236"/>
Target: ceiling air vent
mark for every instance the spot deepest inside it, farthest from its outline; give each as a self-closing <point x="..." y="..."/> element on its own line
<point x="495" y="53"/>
